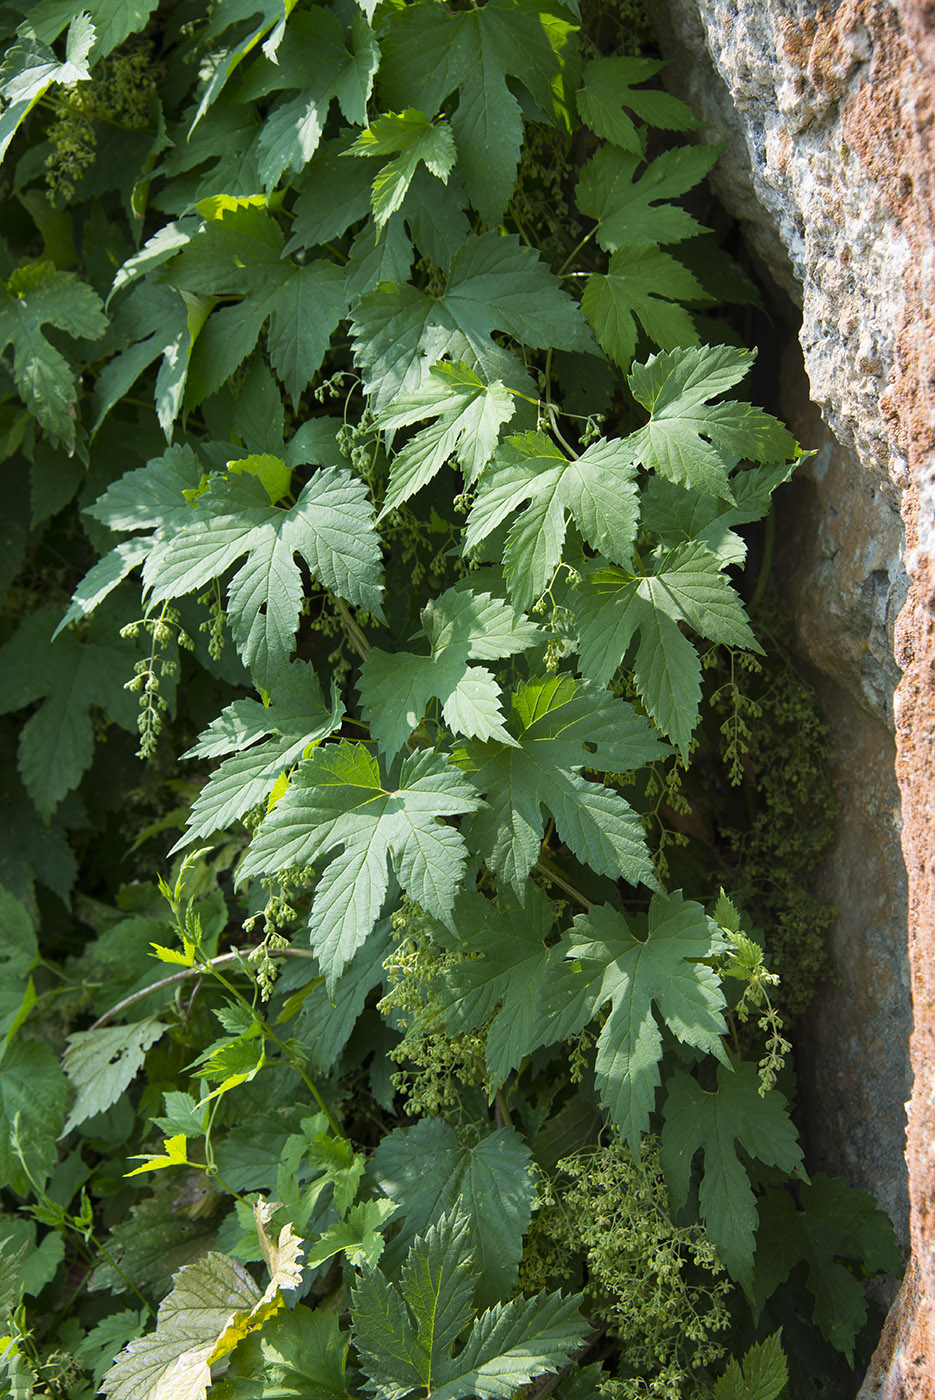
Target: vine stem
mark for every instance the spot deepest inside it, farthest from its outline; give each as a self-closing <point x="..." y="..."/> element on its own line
<point x="503" y="1113"/>
<point x="70" y="1222"/>
<point x="189" y="972"/>
<point x="358" y="640"/>
<point x="575" y="251"/>
<point x="555" y="876"/>
<point x="766" y="564"/>
<point x="290" y="1056"/>
<point x="550" y="407"/>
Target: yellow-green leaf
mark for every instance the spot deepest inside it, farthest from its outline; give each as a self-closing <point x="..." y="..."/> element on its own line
<point x="176" y="1155"/>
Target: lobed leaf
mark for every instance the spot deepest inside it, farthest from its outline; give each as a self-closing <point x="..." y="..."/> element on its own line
<point x="338" y="800"/>
<point x="734" y="1115"/>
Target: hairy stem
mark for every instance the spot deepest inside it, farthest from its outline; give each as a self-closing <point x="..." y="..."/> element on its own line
<point x="185" y="973"/>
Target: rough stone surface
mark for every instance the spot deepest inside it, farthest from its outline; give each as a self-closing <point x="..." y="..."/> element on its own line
<point x="839" y="554"/>
<point x="827" y="114"/>
<point x="784" y="92"/>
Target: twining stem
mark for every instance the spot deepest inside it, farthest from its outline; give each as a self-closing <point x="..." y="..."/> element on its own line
<point x="270" y="1034"/>
<point x="87" y="1235"/>
<point x="189" y="972"/>
<point x="555" y="877"/>
<point x="575" y="251"/>
<point x="358" y="640"/>
<point x="503" y="1113"/>
<point x="766" y="564"/>
<point x="550" y="407"/>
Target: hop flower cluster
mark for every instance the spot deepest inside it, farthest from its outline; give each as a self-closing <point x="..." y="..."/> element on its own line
<point x="166" y="633"/>
<point x="118" y="95"/>
<point x="658" y="1286"/>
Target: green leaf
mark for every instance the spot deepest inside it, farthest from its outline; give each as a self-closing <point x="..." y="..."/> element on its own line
<point x="505" y="981"/>
<point x="468" y="417"/>
<point x="36" y="296"/>
<point x="33" y="1087"/>
<point x="304" y="312"/>
<point x="427" y="1172"/>
<point x="692" y="440"/>
<point x="437" y="1283"/>
<point x="324" y="1024"/>
<point x="16" y="1373"/>
<point x="628" y="210"/>
<point x="32" y="849"/>
<point x="560" y="726"/>
<point x="112" y="20"/>
<point x="435" y="216"/>
<point x="598" y="489"/>
<point x="836" y="1223"/>
<point x="238" y="251"/>
<point x="678" y="515"/>
<point x="607" y="93"/>
<point x="231" y="1062"/>
<point x="686" y="585"/>
<point x="107" y="1337"/>
<point x="404" y="1332"/>
<point x="36" y="1264"/>
<point x="297" y="1355"/>
<point x="101" y="1064"/>
<point x="762" y="1375"/>
<point x="513" y="1343"/>
<point x="377" y="256"/>
<point x="339" y="798"/>
<point x="182" y="1115"/>
<point x="152" y="497"/>
<point x="19" y="951"/>
<point x="460" y="625"/>
<point x="154" y="321"/>
<point x="272" y="13"/>
<point x="604" y="961"/>
<point x="204" y="1301"/>
<point x="330" y="527"/>
<point x="494" y="284"/>
<point x="289" y="138"/>
<point x="30" y="68"/>
<point x="70" y="677"/>
<point x="150" y="1244"/>
<point x="344" y="66"/>
<point x="735" y="1115"/>
<point x="418" y="139"/>
<point x="385" y="1335"/>
<point x="101" y="580"/>
<point x="333" y="194"/>
<point x="428" y="54"/>
<point x="295" y="718"/>
<point x="645" y="285"/>
<point x="359" y="1237"/>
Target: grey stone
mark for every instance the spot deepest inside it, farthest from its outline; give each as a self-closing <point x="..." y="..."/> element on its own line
<point x="775" y="88"/>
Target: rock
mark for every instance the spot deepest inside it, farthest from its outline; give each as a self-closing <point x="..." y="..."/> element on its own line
<point x="839" y="557"/>
<point x="827" y="117"/>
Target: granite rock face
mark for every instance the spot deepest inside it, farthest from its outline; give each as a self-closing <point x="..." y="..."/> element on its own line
<point x="839" y="559"/>
<point x="827" y="115"/>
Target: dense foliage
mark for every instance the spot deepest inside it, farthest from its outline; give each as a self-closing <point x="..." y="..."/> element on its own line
<point x="376" y="462"/>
